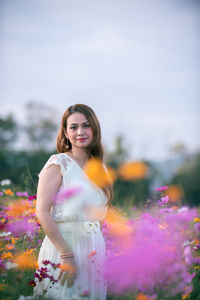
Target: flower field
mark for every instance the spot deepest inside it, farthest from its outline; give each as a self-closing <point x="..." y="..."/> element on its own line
<point x="151" y="254"/>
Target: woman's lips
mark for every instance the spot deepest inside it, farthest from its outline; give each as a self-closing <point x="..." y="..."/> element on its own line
<point x="81" y="140"/>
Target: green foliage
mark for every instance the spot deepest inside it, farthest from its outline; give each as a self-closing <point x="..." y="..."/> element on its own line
<point x="22" y="167"/>
<point x="188" y="177"/>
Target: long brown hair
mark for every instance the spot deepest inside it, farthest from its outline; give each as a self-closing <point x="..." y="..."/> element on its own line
<point x="95" y="149"/>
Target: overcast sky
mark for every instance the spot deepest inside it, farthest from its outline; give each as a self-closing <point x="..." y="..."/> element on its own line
<point x="136" y="63"/>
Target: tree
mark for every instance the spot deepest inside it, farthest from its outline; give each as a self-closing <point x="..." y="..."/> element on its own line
<point x="41" y="125"/>
<point x="8" y="131"/>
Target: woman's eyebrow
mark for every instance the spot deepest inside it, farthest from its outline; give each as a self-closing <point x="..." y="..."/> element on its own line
<point x="80" y="123"/>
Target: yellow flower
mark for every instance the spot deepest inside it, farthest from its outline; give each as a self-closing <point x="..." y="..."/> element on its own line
<point x="133" y="170"/>
<point x="2" y="286"/>
<point x="8" y="192"/>
<point x="196" y="220"/>
<point x="196" y="267"/>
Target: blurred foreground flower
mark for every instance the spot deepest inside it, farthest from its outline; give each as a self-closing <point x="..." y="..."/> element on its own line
<point x="97" y="173"/>
<point x="154" y="258"/>
<point x="66" y="194"/>
<point x="26" y="260"/>
<point x="175" y="193"/>
<point x="133" y="170"/>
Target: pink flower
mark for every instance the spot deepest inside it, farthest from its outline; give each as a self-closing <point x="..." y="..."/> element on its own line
<point x="22" y="194"/>
<point x="21" y="227"/>
<point x="163" y="200"/>
<point x="62" y="196"/>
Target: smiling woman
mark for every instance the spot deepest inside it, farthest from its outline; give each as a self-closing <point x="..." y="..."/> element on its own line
<point x="72" y="226"/>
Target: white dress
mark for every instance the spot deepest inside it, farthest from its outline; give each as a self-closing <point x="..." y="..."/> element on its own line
<point x="77" y="218"/>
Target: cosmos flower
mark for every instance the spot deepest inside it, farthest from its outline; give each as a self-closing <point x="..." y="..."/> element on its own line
<point x="163" y="200"/>
<point x="162" y="188"/>
<point x="22" y="194"/>
<point x="133" y="170"/>
<point x="97" y="173"/>
<point x="66" y="194"/>
<point x="26" y="260"/>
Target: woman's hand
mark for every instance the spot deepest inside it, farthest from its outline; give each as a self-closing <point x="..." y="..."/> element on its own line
<point x="68" y="271"/>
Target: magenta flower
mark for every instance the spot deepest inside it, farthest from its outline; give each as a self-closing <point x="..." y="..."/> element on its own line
<point x="21" y="227"/>
<point x="32" y="197"/>
<point x="32" y="283"/>
<point x="1" y="193"/>
<point x="162" y="188"/>
<point x="85" y="294"/>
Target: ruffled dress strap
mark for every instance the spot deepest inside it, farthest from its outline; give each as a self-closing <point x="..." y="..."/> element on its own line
<point x="56" y="159"/>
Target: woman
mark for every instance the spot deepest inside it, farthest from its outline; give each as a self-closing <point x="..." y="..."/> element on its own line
<point x="73" y="234"/>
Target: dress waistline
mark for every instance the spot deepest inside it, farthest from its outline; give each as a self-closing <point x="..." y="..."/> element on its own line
<point x="79" y="226"/>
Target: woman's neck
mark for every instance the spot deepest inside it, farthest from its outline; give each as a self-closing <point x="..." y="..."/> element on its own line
<point x="79" y="155"/>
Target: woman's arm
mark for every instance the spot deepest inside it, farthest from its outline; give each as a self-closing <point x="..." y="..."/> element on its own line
<point x="48" y="186"/>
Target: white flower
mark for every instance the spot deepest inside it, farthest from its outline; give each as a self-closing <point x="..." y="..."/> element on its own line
<point x="5" y="233"/>
<point x="10" y="265"/>
<point x="182" y="209"/>
<point x="5" y="182"/>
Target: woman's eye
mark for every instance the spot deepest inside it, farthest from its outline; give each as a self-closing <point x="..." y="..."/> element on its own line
<point x="86" y="125"/>
<point x="73" y="127"/>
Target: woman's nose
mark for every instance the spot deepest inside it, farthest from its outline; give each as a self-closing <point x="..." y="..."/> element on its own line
<point x="80" y="130"/>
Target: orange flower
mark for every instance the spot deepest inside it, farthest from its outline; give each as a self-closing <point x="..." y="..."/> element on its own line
<point x="92" y="253"/>
<point x="12" y="240"/>
<point x="117" y="222"/>
<point x="67" y="267"/>
<point x="133" y="170"/>
<point x="142" y="297"/>
<point x="6" y="255"/>
<point x="196" y="220"/>
<point x="185" y="296"/>
<point x="19" y="208"/>
<point x="26" y="260"/>
<point x="97" y="173"/>
<point x="8" y="192"/>
<point x="163" y="226"/>
<point x="9" y="247"/>
<point x="175" y="193"/>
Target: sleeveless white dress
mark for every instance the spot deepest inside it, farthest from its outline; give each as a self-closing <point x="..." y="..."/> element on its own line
<point x="77" y="218"/>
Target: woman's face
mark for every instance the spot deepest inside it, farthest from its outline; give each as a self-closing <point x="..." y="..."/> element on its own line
<point x="79" y="131"/>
